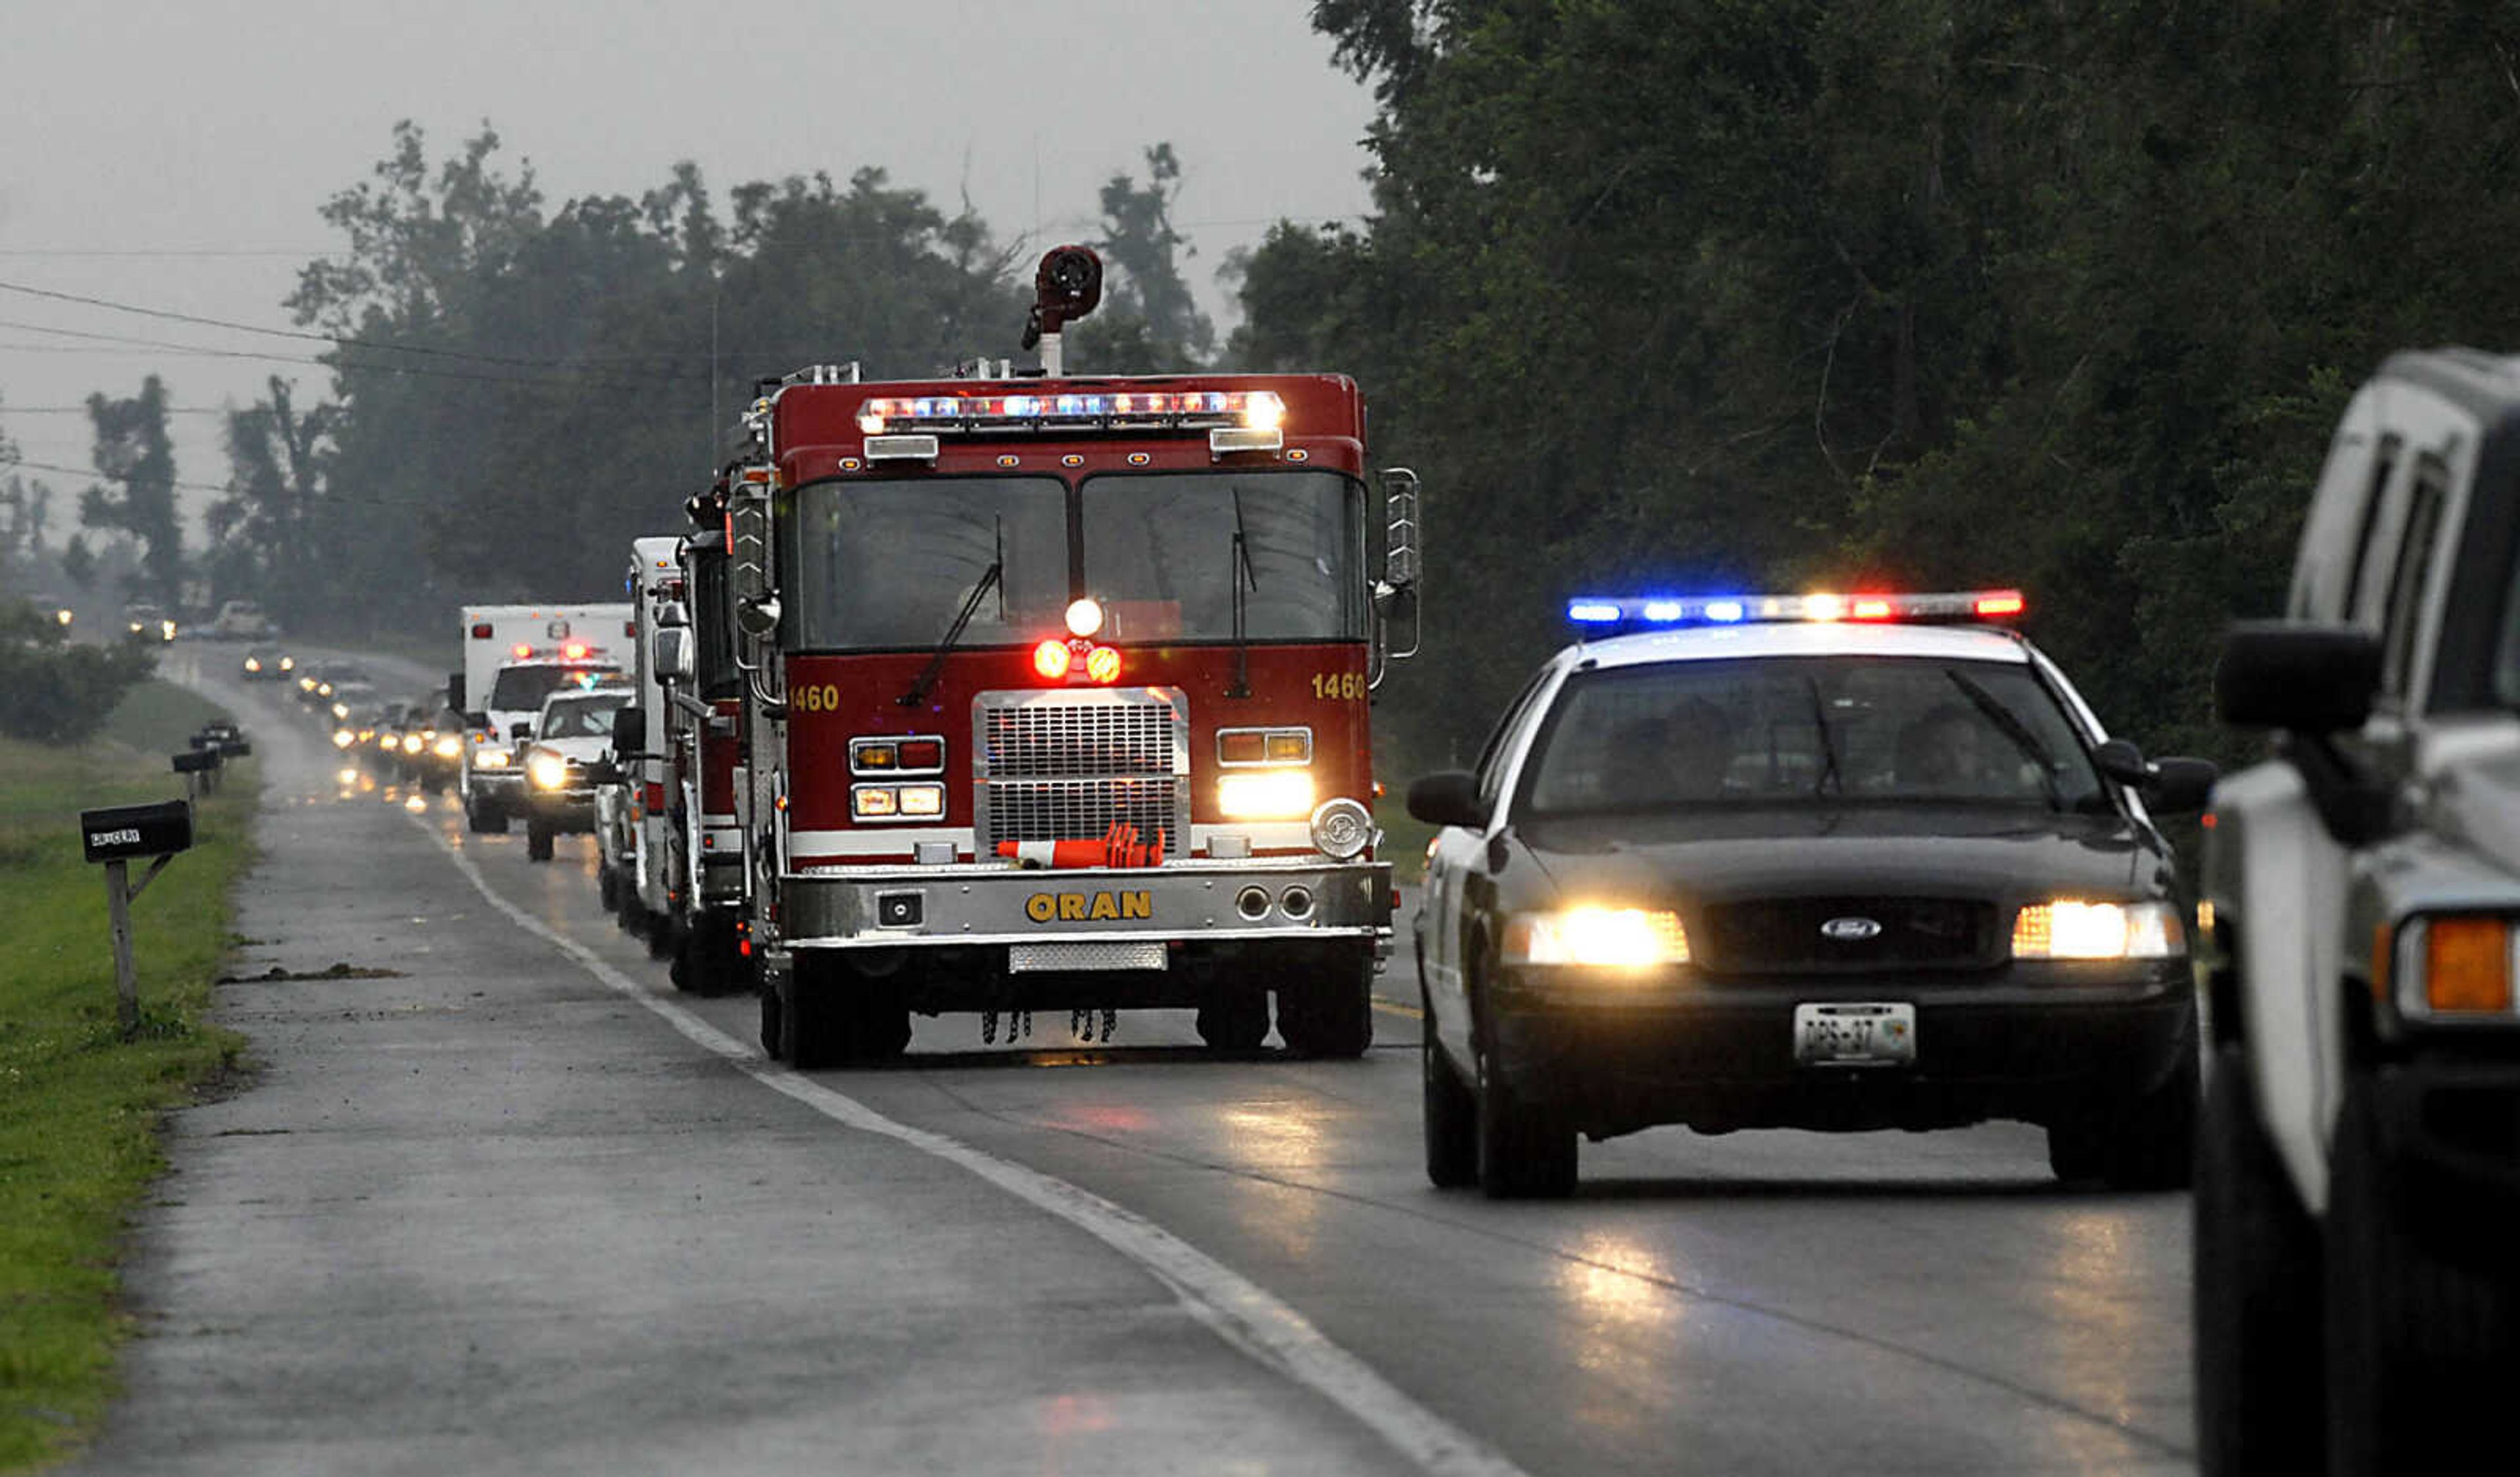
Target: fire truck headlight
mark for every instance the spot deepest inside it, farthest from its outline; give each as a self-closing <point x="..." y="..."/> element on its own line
<point x="1265" y="795"/>
<point x="872" y="801"/>
<point x="547" y="770"/>
<point x="922" y="799"/>
<point x="1342" y="829"/>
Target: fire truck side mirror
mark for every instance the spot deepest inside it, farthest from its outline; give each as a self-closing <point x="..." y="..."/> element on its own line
<point x="1396" y="597"/>
<point x="672" y="655"/>
<point x="758" y="616"/>
<point x="629" y="732"/>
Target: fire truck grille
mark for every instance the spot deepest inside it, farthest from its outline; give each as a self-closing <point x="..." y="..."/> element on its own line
<point x="1067" y="765"/>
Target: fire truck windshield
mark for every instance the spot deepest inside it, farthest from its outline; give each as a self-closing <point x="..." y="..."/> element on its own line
<point x="1161" y="555"/>
<point x="887" y="564"/>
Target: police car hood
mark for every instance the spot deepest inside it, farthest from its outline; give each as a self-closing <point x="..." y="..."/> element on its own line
<point x="1721" y="854"/>
<point x="580" y="748"/>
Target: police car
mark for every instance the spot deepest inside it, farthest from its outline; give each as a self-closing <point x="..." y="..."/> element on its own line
<point x="1820" y="862"/>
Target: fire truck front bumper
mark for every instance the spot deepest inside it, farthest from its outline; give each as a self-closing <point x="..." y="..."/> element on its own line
<point x="1252" y="900"/>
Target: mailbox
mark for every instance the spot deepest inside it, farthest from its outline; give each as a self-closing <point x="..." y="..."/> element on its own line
<point x="125" y="832"/>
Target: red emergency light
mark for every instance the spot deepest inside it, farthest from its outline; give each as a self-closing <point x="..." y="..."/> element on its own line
<point x="521" y="650"/>
<point x="575" y="651"/>
<point x="1052" y="659"/>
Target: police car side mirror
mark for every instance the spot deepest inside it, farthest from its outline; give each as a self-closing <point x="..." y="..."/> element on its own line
<point x="2178" y="786"/>
<point x="629" y="731"/>
<point x="2120" y="760"/>
<point x="2309" y="679"/>
<point x="1450" y="797"/>
<point x="521" y="731"/>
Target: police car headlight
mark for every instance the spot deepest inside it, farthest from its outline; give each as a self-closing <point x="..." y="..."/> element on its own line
<point x="1612" y="937"/>
<point x="1342" y="829"/>
<point x="547" y="771"/>
<point x="2066" y="928"/>
<point x="1265" y="795"/>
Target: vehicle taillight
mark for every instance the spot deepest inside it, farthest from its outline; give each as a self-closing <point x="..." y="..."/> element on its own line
<point x="575" y="651"/>
<point x="480" y="630"/>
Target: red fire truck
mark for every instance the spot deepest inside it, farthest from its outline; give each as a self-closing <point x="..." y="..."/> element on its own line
<point x="1055" y="694"/>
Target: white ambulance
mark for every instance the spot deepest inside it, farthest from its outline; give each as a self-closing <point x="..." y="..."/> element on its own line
<point x="513" y="658"/>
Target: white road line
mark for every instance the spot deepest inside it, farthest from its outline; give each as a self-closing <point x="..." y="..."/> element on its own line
<point x="1240" y="1311"/>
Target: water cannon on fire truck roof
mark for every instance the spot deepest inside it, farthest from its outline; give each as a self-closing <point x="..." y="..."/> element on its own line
<point x="1068" y="287"/>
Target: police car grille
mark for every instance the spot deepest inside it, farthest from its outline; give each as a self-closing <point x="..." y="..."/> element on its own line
<point x="1775" y="934"/>
<point x="1053" y="767"/>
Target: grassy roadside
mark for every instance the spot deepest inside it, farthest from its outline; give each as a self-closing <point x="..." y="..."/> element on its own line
<point x="78" y="1107"/>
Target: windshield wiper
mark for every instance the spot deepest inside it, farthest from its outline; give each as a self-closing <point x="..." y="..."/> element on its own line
<point x="993" y="578"/>
<point x="1241" y="571"/>
<point x="2010" y="724"/>
<point x="1827" y="746"/>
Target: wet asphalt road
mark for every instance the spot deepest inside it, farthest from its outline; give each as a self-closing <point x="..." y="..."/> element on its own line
<point x="500" y="1200"/>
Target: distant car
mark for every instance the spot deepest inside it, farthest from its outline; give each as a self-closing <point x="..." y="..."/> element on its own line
<point x="573" y="730"/>
<point x="1801" y="861"/>
<point x="243" y="620"/>
<point x="268" y="664"/>
<point x="148" y="623"/>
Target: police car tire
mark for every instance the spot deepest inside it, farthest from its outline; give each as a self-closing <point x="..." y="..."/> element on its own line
<point x="538" y="842"/>
<point x="2420" y="1351"/>
<point x="1452" y="1118"/>
<point x="1238" y="1020"/>
<point x="1524" y="1153"/>
<point x="2259" y="1410"/>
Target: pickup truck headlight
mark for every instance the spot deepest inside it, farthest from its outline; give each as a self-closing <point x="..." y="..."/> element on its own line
<point x="490" y="758"/>
<point x="1615" y="937"/>
<point x="2450" y="966"/>
<point x="2066" y="928"/>
<point x="548" y="770"/>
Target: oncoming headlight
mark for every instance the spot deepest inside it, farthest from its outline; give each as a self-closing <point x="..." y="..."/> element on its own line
<point x="490" y="758"/>
<point x="448" y="746"/>
<point x="1612" y="937"/>
<point x="2067" y="928"/>
<point x="547" y="770"/>
<point x="1284" y="794"/>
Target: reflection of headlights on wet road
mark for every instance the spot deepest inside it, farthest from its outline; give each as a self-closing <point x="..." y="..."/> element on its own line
<point x="547" y="771"/>
<point x="348" y="777"/>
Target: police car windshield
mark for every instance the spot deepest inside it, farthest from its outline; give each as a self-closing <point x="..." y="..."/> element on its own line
<point x="1161" y="555"/>
<point x="582" y="718"/>
<point x="521" y="690"/>
<point x="1809" y="732"/>
<point x="887" y="564"/>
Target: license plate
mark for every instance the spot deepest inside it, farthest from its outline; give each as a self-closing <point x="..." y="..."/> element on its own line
<point x="1865" y="1035"/>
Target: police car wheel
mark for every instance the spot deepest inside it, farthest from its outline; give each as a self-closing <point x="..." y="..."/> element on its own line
<point x="2420" y="1351"/>
<point x="1524" y="1153"/>
<point x="1452" y="1118"/>
<point x="538" y="842"/>
<point x="2259" y="1410"/>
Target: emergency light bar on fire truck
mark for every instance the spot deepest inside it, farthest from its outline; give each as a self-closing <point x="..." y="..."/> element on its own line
<point x="1599" y="615"/>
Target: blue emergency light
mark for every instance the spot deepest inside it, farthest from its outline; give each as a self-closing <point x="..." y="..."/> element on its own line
<point x="1602" y="615"/>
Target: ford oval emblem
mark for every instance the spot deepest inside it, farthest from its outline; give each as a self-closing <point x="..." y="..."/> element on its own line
<point x="1849" y="930"/>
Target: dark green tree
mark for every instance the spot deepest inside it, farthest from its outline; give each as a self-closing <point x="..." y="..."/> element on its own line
<point x="136" y="457"/>
<point x="1148" y="323"/>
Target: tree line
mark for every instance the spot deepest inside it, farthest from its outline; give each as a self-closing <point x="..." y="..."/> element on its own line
<point x="1658" y="295"/>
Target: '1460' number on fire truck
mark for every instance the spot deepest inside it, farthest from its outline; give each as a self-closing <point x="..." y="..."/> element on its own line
<point x="818" y="697"/>
<point x="1349" y="684"/>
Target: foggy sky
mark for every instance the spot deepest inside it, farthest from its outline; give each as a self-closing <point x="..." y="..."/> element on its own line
<point x="174" y="156"/>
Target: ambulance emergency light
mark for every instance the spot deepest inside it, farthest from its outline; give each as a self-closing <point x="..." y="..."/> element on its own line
<point x="1602" y="614"/>
<point x="1168" y="410"/>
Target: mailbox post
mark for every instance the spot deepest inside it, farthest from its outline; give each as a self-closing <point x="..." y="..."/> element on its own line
<point x="116" y="837"/>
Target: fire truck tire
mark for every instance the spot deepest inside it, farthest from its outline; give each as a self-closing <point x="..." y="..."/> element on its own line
<point x="1238" y="1020"/>
<point x="773" y="1037"/>
<point x="1330" y="1015"/>
<point x="832" y="1014"/>
<point x="660" y="932"/>
<point x="485" y="819"/>
<point x="538" y="842"/>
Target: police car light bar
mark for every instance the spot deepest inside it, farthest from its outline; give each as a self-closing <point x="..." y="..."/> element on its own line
<point x="1161" y="409"/>
<point x="1650" y="612"/>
